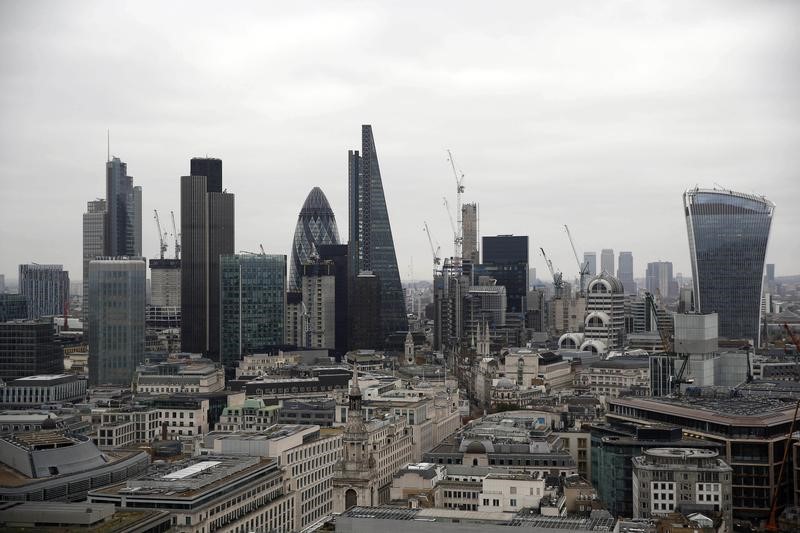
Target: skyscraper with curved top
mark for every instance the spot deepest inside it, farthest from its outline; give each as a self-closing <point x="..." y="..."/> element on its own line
<point x="728" y="234"/>
<point x="316" y="226"/>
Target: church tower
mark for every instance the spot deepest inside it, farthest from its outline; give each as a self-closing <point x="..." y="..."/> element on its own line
<point x="484" y="341"/>
<point x="409" y="349"/>
<point x="354" y="475"/>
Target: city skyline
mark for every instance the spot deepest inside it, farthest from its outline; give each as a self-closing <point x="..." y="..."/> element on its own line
<point x="663" y="124"/>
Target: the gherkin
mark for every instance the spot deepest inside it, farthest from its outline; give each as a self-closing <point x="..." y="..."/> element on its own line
<point x="316" y="225"/>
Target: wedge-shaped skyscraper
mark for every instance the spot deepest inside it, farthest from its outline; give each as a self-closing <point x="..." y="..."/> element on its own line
<point x="316" y="226"/>
<point x="728" y="234"/>
<point x="371" y="243"/>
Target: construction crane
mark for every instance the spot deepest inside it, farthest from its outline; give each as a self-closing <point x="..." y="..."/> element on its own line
<point x="434" y="251"/>
<point x="162" y="243"/>
<point x="453" y="226"/>
<point x="458" y="237"/>
<point x="177" y="236"/>
<point x="558" y="279"/>
<point x="793" y="336"/>
<point x="666" y="343"/>
<point x="583" y="268"/>
<point x="772" y="523"/>
<point x="262" y="249"/>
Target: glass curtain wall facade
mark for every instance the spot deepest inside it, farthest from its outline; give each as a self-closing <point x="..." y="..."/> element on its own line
<point x="728" y="234"/>
<point x="316" y="226"/>
<point x="116" y="319"/>
<point x="45" y="287"/>
<point x="123" y="225"/>
<point x="252" y="304"/>
<point x="372" y="245"/>
<point x="505" y="258"/>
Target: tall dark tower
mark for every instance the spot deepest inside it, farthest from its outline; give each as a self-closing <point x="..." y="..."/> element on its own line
<point x="207" y="231"/>
<point x="123" y="218"/>
<point x="371" y="242"/>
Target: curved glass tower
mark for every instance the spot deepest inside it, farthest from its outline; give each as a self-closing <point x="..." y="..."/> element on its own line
<point x="316" y="225"/>
<point x="728" y="234"/>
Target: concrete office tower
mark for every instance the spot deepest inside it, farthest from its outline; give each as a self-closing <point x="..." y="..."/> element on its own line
<point x="29" y="348"/>
<point x="2" y="283"/>
<point x="670" y="480"/>
<point x="625" y="272"/>
<point x="370" y="233"/>
<point x="337" y="254"/>
<point x="46" y="289"/>
<point x="207" y="232"/>
<point x="318" y="284"/>
<point x="165" y="282"/>
<point x="316" y="226"/>
<point x="590" y="258"/>
<point x="607" y="261"/>
<point x="252" y="305"/>
<point x="770" y="272"/>
<point x="94" y="223"/>
<point x="505" y="258"/>
<point x="294" y="335"/>
<point x="659" y="278"/>
<point x="728" y="234"/>
<point x="696" y="337"/>
<point x="116" y="319"/>
<point x="469" y="231"/>
<point x="123" y="224"/>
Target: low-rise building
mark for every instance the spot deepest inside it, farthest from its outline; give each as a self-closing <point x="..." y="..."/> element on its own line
<point x="52" y="517"/>
<point x="252" y="415"/>
<point x="35" y="391"/>
<point x="320" y="412"/>
<point x="52" y="465"/>
<point x="688" y="480"/>
<point x="210" y="493"/>
<point x="307" y="455"/>
<point x="610" y="377"/>
<point x="185" y="373"/>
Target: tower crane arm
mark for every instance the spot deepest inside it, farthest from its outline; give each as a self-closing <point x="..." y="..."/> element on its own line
<point x="177" y="236"/>
<point x="434" y="251"/>
<point x="162" y="244"/>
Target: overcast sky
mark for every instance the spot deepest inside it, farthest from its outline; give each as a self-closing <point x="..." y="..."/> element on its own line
<point x="598" y="114"/>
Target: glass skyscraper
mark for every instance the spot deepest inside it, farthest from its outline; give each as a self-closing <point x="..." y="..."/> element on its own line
<point x="123" y="224"/>
<point x="207" y="232"/>
<point x="505" y="258"/>
<point x="116" y="318"/>
<point x="316" y="226"/>
<point x="45" y="287"/>
<point x="728" y="234"/>
<point x="371" y="242"/>
<point x="252" y="304"/>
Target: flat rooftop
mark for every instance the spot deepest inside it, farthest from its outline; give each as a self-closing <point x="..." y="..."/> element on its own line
<point x="188" y="478"/>
<point x="737" y="410"/>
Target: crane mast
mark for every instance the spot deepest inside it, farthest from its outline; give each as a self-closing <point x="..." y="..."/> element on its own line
<point x="434" y="250"/>
<point x="177" y="236"/>
<point x="558" y="279"/>
<point x="583" y="268"/>
<point x="458" y="237"/>
<point x="162" y="243"/>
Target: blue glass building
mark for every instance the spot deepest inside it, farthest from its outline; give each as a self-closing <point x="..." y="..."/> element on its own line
<point x="728" y="234"/>
<point x="316" y="226"/>
<point x="252" y="304"/>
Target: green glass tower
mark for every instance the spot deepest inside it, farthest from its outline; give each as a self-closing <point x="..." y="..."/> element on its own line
<point x="252" y="304"/>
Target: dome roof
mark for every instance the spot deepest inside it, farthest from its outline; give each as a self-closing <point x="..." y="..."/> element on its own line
<point x="476" y="446"/>
<point x="504" y="383"/>
<point x="575" y="338"/>
<point x="605" y="282"/>
<point x="316" y="204"/>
